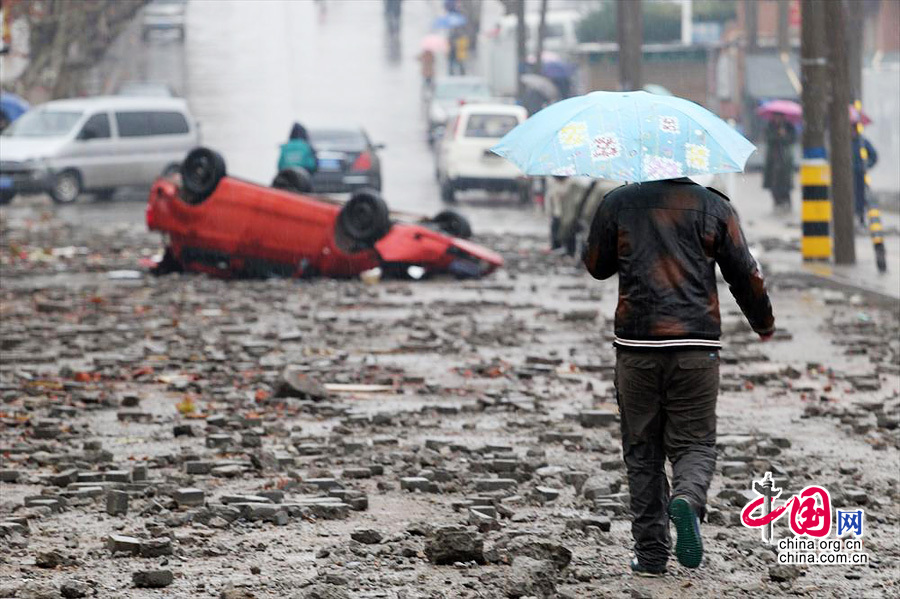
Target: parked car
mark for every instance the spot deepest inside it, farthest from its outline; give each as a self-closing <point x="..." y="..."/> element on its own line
<point x="227" y="227"/>
<point x="65" y="147"/>
<point x="11" y="108"/>
<point x="464" y="157"/>
<point x="164" y="15"/>
<point x="146" y="89"/>
<point x="347" y="160"/>
<point x="449" y="94"/>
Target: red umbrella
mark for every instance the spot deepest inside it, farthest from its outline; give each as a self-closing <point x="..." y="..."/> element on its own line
<point x="791" y="111"/>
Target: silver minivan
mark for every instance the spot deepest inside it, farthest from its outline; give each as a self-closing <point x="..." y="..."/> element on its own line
<point x="95" y="145"/>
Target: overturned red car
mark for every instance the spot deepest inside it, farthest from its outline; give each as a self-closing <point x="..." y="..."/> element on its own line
<point x="227" y="227"/>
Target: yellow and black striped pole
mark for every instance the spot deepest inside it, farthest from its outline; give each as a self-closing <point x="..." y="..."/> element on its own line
<point x="815" y="179"/>
<point x="876" y="231"/>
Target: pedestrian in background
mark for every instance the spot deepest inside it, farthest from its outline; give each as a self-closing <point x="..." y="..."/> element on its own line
<point x="663" y="239"/>
<point x="298" y="152"/>
<point x="459" y="52"/>
<point x="426" y="63"/>
<point x="779" y="172"/>
<point x="860" y="167"/>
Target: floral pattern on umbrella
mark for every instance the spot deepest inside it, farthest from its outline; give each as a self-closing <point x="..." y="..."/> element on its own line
<point x="696" y="157"/>
<point x="669" y="124"/>
<point x="573" y="135"/>
<point x="605" y="147"/>
<point x="660" y="167"/>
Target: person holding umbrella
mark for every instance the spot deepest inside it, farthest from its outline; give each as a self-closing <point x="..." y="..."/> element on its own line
<point x="778" y="177"/>
<point x="663" y="236"/>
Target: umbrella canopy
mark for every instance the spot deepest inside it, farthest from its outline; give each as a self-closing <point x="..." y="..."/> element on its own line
<point x="13" y="106"/>
<point x="451" y="20"/>
<point x="625" y="136"/>
<point x="791" y="111"/>
<point x="436" y="43"/>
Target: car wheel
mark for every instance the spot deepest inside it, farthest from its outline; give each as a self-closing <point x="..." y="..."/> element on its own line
<point x="365" y="218"/>
<point x="201" y="172"/>
<point x="448" y="194"/>
<point x="6" y="197"/>
<point x="453" y="223"/>
<point x="66" y="187"/>
<point x="297" y="180"/>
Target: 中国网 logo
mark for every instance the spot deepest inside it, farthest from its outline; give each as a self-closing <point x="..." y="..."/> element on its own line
<point x="810" y="520"/>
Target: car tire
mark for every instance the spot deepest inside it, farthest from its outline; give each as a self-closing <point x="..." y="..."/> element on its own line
<point x="201" y="172"/>
<point x="297" y="180"/>
<point x="365" y="218"/>
<point x="6" y="196"/>
<point x="448" y="193"/>
<point x="66" y="187"/>
<point x="453" y="223"/>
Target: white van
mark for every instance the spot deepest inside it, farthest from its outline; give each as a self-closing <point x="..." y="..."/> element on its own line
<point x="65" y="147"/>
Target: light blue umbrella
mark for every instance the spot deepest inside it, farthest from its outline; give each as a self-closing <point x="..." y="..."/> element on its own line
<point x="625" y="136"/>
<point x="451" y="20"/>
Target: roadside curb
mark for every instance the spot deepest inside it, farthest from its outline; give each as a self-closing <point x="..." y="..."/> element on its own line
<point x="873" y="296"/>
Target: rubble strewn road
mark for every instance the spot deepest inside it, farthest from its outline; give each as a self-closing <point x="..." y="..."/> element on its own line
<point x="285" y="438"/>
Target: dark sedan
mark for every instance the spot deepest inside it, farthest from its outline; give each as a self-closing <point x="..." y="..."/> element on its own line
<point x="347" y="160"/>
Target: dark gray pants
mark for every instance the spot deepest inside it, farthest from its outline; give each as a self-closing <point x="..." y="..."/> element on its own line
<point x="667" y="402"/>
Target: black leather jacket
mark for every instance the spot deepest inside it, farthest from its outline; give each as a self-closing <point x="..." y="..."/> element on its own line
<point x="664" y="239"/>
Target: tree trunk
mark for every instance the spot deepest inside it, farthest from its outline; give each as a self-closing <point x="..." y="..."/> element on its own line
<point x="542" y="32"/>
<point x="66" y="39"/>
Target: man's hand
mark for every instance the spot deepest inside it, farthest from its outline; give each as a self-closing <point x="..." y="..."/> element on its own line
<point x="766" y="337"/>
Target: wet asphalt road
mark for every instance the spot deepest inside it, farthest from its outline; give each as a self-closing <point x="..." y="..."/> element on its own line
<point x="250" y="69"/>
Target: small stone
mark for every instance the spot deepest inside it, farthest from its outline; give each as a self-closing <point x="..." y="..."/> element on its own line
<point x="198" y="467"/>
<point x="157" y="547"/>
<point x="74" y="589"/>
<point x="367" y="536"/>
<point x="596" y="418"/>
<point x="116" y="503"/>
<point x="152" y="579"/>
<point x="296" y="383"/>
<point x="64" y="478"/>
<point x="183" y="430"/>
<point x="417" y="483"/>
<point x="529" y="577"/>
<point x="450" y="544"/>
<point x="123" y="543"/>
<point x="495" y="484"/>
<point x="189" y="496"/>
<point x="9" y="476"/>
<point x="783" y="573"/>
<point x="546" y="493"/>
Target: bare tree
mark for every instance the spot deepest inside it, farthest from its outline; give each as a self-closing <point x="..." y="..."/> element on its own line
<point x="67" y="38"/>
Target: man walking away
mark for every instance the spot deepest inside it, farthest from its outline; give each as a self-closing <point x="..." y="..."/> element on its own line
<point x="664" y="239"/>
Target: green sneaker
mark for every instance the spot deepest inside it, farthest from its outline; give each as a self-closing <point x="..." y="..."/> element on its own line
<point x="689" y="546"/>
